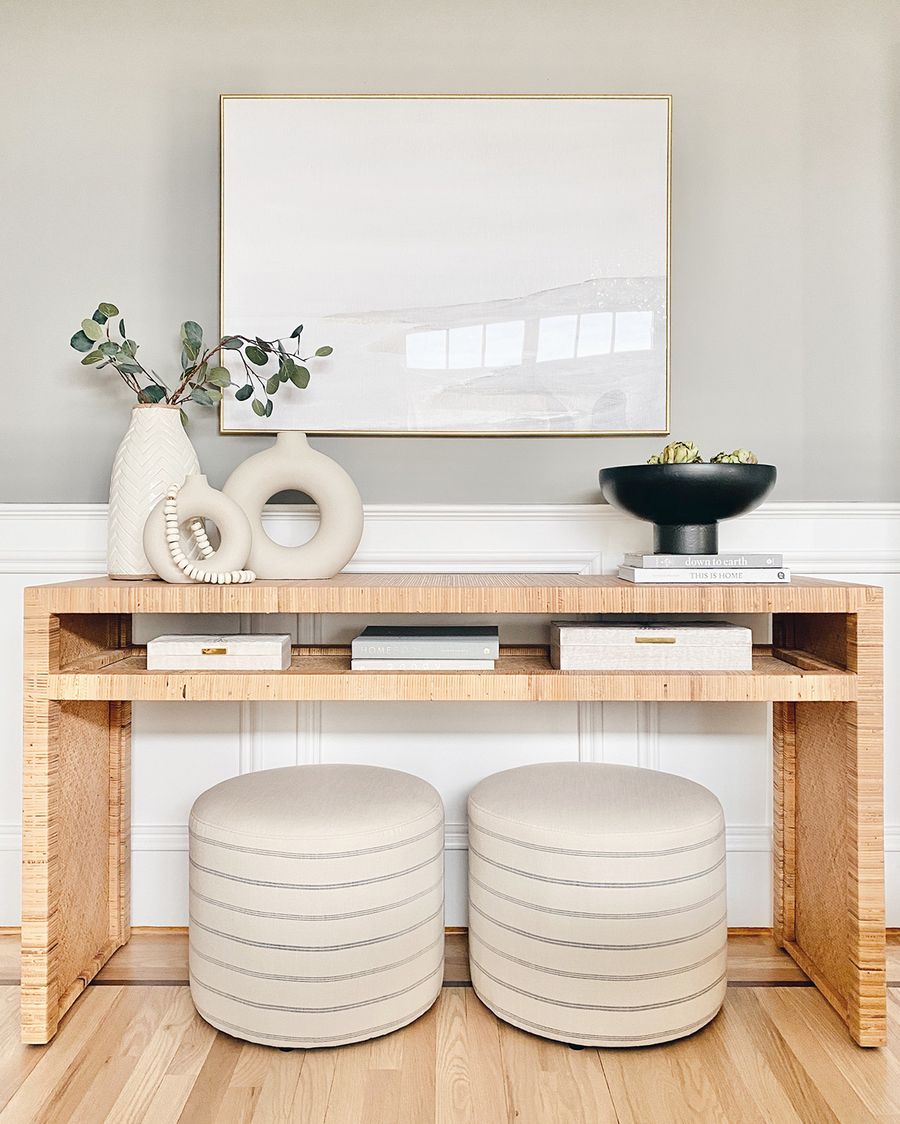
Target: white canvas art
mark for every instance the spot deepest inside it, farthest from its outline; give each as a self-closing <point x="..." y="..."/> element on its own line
<point x="479" y="265"/>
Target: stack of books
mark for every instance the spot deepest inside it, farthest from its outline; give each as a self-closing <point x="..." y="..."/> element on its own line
<point x="705" y="569"/>
<point x="426" y="648"/>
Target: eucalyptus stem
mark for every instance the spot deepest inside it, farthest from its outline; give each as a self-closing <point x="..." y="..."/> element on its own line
<point x="199" y="380"/>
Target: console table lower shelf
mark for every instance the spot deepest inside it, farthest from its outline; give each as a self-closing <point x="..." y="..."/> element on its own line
<point x="822" y="674"/>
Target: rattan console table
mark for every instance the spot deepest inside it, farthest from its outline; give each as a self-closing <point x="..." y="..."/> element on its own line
<point x="823" y="673"/>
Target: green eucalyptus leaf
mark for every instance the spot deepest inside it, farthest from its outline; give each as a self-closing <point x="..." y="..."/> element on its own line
<point x="256" y="355"/>
<point x="258" y="408"/>
<point x="300" y="377"/>
<point x="81" y="342"/>
<point x="215" y="394"/>
<point x="284" y="370"/>
<point x="184" y="418"/>
<point x="152" y="393"/>
<point x="264" y="345"/>
<point x="99" y="317"/>
<point x="108" y="309"/>
<point x="128" y="347"/>
<point x="122" y="328"/>
<point x="202" y="397"/>
<point x="272" y="384"/>
<point x="93" y="357"/>
<point x="92" y="330"/>
<point x="231" y="343"/>
<point x="192" y="333"/>
<point x="269" y="407"/>
<point x="219" y="376"/>
<point x="129" y="368"/>
<point x="243" y="392"/>
<point x="296" y="332"/>
<point x="109" y="348"/>
<point x="323" y="351"/>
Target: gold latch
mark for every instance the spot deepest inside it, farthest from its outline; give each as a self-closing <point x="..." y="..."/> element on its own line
<point x="654" y="639"/>
<point x="214" y="651"/>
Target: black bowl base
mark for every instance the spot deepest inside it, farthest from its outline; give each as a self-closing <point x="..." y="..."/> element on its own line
<point x="685" y="538"/>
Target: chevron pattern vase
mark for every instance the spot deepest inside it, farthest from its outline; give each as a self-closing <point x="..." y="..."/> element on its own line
<point x="155" y="452"/>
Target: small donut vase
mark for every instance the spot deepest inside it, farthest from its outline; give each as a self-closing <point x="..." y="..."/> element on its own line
<point x="196" y="499"/>
<point x="290" y="464"/>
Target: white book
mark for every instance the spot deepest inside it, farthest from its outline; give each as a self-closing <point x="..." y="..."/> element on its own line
<point x="705" y="577"/>
<point x="420" y="665"/>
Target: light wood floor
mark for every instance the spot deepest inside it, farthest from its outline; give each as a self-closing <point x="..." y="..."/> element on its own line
<point x="133" y="1049"/>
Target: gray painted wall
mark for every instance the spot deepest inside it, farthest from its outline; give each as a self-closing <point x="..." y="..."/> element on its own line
<point x="785" y="216"/>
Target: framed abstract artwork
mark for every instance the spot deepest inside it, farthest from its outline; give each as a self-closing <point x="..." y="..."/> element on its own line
<point x="480" y="265"/>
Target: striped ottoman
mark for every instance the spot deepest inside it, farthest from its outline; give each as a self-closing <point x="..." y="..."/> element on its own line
<point x="597" y="902"/>
<point x="316" y="903"/>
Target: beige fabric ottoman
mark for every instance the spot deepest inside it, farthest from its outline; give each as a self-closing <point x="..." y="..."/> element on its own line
<point x="597" y="902"/>
<point x="316" y="903"/>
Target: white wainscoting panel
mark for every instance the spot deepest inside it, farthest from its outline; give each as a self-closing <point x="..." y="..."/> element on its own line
<point x="181" y="749"/>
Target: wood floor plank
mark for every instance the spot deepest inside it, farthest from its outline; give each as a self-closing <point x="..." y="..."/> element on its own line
<point x="550" y="1081"/>
<point x="418" y="1078"/>
<point x="452" y="1061"/>
<point x="804" y="1042"/>
<point x="781" y="1088"/>
<point x="679" y="1083"/>
<point x="456" y="958"/>
<point x="208" y="1091"/>
<point x="273" y="1098"/>
<point x="314" y="1087"/>
<point x="48" y="1065"/>
<point x="488" y="1087"/>
<point x="132" y="1104"/>
<point x="754" y="957"/>
<point x="100" y="1062"/>
<point x="348" y="1088"/>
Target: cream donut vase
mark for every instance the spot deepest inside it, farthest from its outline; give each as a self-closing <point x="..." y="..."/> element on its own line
<point x="197" y="499"/>
<point x="290" y="464"/>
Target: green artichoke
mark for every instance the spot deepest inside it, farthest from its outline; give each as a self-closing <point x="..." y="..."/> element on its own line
<point x="739" y="456"/>
<point x="678" y="452"/>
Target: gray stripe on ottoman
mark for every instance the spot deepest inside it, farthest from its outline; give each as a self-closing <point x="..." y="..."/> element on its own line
<point x="316" y="903"/>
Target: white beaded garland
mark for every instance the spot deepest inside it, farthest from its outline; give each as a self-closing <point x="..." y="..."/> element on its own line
<point x="201" y="539"/>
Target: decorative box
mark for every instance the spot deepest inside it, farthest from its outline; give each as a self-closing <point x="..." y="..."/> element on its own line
<point x="219" y="653"/>
<point x="690" y="646"/>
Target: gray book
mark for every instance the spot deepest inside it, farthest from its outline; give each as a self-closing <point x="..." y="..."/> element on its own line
<point x="409" y="664"/>
<point x="733" y="561"/>
<point x="429" y="642"/>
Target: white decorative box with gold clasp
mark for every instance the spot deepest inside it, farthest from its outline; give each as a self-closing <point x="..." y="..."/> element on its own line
<point x="688" y="646"/>
<point x="219" y="653"/>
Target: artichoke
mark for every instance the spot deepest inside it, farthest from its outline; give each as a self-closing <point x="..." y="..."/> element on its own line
<point x="739" y="456"/>
<point x="678" y="452"/>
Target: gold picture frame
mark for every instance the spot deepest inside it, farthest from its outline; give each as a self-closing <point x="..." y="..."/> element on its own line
<point x="382" y="432"/>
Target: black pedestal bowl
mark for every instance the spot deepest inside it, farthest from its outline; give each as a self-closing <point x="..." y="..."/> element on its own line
<point x="686" y="501"/>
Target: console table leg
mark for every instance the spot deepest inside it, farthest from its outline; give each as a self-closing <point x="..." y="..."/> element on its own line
<point x="829" y="837"/>
<point x="75" y="840"/>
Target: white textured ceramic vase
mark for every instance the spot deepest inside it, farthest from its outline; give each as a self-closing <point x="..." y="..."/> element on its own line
<point x="155" y="453"/>
<point x="291" y="464"/>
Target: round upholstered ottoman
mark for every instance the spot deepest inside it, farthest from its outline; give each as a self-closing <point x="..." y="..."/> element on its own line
<point x="597" y="902"/>
<point x="316" y="903"/>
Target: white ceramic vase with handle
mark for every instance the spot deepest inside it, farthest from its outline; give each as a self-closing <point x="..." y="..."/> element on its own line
<point x="155" y="453"/>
